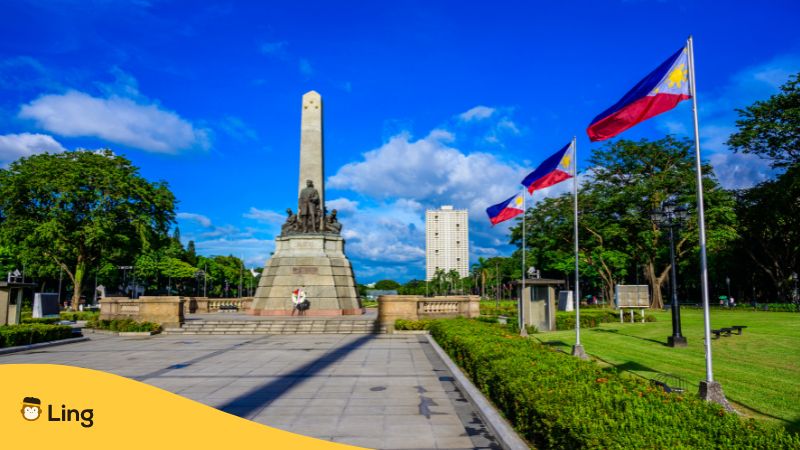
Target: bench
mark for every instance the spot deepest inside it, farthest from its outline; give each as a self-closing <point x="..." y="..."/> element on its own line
<point x="738" y="328"/>
<point x="727" y="332"/>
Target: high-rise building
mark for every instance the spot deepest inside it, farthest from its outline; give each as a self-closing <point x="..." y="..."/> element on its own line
<point x="446" y="241"/>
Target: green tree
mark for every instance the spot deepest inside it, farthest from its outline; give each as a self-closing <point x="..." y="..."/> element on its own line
<point x="771" y="128"/>
<point x="387" y="285"/>
<point x="71" y="208"/>
<point x="769" y="216"/>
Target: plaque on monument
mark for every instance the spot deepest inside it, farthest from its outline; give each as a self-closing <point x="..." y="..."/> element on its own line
<point x="309" y="252"/>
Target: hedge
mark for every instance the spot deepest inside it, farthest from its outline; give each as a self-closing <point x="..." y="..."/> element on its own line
<point x="558" y="401"/>
<point x="123" y="325"/>
<point x="403" y="324"/>
<point x="593" y="318"/>
<point x="25" y="334"/>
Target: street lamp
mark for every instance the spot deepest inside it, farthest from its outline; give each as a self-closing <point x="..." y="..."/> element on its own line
<point x="672" y="216"/>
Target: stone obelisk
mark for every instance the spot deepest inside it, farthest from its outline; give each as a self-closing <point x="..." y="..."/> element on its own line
<point x="312" y="165"/>
<point x="309" y="254"/>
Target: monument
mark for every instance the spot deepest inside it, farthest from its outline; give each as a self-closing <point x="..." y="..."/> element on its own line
<point x="309" y="253"/>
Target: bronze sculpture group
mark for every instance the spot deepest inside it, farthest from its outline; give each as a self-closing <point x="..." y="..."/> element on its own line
<point x="310" y="217"/>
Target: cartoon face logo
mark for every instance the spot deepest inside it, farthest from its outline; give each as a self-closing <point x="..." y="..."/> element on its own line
<point x="31" y="408"/>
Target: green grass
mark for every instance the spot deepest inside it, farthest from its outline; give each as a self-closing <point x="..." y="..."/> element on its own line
<point x="759" y="371"/>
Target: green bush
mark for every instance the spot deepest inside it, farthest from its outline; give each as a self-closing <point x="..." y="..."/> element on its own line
<point x="75" y="316"/>
<point x="14" y="335"/>
<point x="487" y="319"/>
<point x="505" y="308"/>
<point x="403" y="324"/>
<point x="557" y="401"/>
<point x="123" y="325"/>
<point x="593" y="318"/>
<point x="45" y="320"/>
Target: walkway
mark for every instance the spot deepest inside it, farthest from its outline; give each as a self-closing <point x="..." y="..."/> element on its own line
<point x="376" y="391"/>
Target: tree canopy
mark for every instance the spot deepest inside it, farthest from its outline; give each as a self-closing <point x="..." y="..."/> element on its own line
<point x="68" y="210"/>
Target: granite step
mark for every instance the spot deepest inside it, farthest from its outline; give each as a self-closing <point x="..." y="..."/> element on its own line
<point x="277" y="326"/>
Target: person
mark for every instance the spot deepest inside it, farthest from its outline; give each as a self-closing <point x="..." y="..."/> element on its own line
<point x="732" y="302"/>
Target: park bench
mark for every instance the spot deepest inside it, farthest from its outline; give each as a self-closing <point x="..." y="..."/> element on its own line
<point x="738" y="328"/>
<point x="727" y="332"/>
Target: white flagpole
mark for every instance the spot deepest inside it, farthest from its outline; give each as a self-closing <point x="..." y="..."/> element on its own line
<point x="522" y="330"/>
<point x="709" y="390"/>
<point x="577" y="349"/>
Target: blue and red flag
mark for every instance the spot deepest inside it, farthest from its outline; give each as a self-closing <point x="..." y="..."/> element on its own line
<point x="553" y="170"/>
<point x="507" y="209"/>
<point x="658" y="92"/>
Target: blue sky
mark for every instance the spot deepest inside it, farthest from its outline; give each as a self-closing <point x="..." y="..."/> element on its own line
<point x="426" y="103"/>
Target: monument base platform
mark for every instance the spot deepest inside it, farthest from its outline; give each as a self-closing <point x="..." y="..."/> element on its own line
<point x="315" y="263"/>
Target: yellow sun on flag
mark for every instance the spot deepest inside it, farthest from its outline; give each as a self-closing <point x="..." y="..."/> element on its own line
<point x="518" y="201"/>
<point x="566" y="160"/>
<point x="677" y="76"/>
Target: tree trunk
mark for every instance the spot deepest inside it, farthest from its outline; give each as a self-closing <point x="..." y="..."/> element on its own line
<point x="80" y="271"/>
<point x="655" y="286"/>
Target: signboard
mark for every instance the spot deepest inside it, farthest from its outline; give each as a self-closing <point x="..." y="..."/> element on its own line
<point x="632" y="296"/>
<point x="45" y="305"/>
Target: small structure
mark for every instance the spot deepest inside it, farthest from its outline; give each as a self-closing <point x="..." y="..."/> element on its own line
<point x="11" y="292"/>
<point x="632" y="297"/>
<point x="165" y="311"/>
<point x="539" y="302"/>
<point x="565" y="301"/>
<point x="415" y="307"/>
<point x="45" y="305"/>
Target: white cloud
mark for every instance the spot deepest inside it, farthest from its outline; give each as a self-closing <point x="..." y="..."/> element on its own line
<point x="116" y="119"/>
<point x="199" y="218"/>
<point x="477" y="113"/>
<point x="15" y="146"/>
<point x="431" y="171"/>
<point x="237" y="129"/>
<point x="265" y="216"/>
<point x="739" y="170"/>
<point x="342" y="205"/>
<point x="255" y="252"/>
<point x="387" y="233"/>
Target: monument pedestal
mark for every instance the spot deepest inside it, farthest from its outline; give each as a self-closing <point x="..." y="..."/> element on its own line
<point x="315" y="263"/>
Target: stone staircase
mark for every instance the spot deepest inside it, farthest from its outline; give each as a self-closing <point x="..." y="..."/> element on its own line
<point x="279" y="326"/>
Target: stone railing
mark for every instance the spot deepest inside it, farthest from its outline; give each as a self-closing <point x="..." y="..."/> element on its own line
<point x="415" y="307"/>
<point x="205" y="305"/>
<point x="166" y="311"/>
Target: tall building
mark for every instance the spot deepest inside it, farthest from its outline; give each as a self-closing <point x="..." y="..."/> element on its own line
<point x="446" y="241"/>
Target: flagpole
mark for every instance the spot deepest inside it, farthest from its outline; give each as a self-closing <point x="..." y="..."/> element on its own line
<point x="709" y="389"/>
<point x="577" y="349"/>
<point x="523" y="331"/>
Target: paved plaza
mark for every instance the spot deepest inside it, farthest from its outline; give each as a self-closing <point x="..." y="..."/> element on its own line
<point x="376" y="391"/>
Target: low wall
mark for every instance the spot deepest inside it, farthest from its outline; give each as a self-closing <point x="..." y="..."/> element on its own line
<point x="415" y="307"/>
<point x="205" y="305"/>
<point x="166" y="311"/>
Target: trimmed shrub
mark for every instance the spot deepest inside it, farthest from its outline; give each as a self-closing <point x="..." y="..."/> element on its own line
<point x="505" y="308"/>
<point x="557" y="401"/>
<point x="25" y="334"/>
<point x="592" y="319"/>
<point x="75" y="316"/>
<point x="45" y="320"/>
<point x="403" y="324"/>
<point x="123" y="325"/>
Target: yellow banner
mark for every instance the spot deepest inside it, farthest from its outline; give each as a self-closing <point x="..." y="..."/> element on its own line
<point x="52" y="406"/>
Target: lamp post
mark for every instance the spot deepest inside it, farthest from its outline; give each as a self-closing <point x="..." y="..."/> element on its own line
<point x="794" y="289"/>
<point x="671" y="216"/>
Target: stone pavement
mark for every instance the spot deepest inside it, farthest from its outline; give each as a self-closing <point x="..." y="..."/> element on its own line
<point x="377" y="391"/>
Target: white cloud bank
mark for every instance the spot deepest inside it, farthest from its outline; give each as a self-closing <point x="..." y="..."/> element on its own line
<point x="15" y="146"/>
<point x="122" y="116"/>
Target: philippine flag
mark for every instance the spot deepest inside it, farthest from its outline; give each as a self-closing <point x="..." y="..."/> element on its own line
<point x="658" y="92"/>
<point x="508" y="209"/>
<point x="553" y="170"/>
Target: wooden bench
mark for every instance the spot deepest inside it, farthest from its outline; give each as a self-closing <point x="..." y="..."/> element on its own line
<point x="738" y="328"/>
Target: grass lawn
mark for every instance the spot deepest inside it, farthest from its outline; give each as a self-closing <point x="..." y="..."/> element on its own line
<point x="759" y="371"/>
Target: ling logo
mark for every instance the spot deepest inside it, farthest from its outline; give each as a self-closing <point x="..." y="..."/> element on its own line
<point x="32" y="410"/>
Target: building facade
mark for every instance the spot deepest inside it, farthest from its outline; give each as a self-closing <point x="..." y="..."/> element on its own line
<point x="446" y="241"/>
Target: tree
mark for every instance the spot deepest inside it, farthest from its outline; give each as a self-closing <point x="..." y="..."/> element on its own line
<point x="769" y="216"/>
<point x="72" y="208"/>
<point x="771" y="128"/>
<point x="387" y="285"/>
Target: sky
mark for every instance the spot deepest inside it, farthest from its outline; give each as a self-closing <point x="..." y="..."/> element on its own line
<point x="426" y="103"/>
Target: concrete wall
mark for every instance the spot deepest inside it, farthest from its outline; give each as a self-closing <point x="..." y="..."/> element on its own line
<point x="166" y="311"/>
<point x="415" y="307"/>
